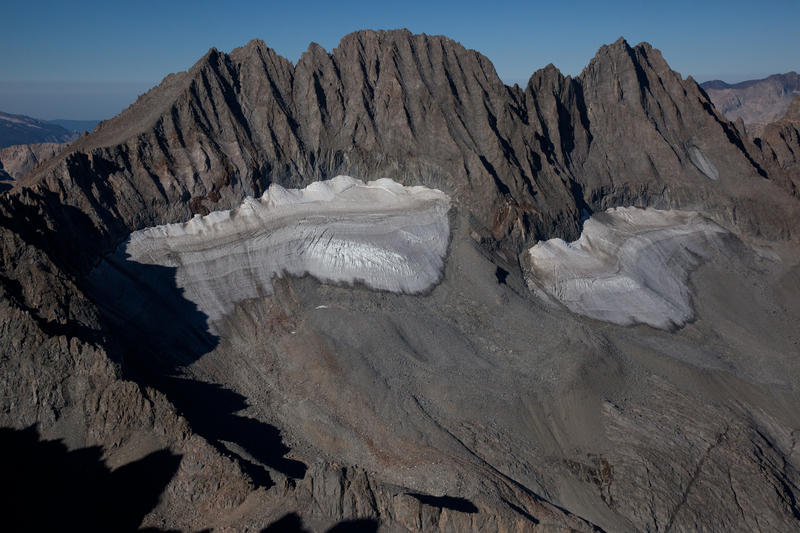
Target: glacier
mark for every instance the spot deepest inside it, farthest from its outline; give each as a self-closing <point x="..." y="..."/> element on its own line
<point x="380" y="233"/>
<point x="629" y="266"/>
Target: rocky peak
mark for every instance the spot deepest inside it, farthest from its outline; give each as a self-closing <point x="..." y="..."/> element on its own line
<point x="547" y="77"/>
<point x="629" y="73"/>
<point x="256" y="44"/>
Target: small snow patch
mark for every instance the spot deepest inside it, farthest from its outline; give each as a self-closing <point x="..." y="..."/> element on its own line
<point x="703" y="163"/>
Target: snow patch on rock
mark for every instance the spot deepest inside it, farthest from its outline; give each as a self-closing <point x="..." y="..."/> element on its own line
<point x="703" y="163"/>
<point x="629" y="266"/>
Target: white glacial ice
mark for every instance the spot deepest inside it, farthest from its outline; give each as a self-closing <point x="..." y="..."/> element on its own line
<point x="629" y="265"/>
<point x="343" y="230"/>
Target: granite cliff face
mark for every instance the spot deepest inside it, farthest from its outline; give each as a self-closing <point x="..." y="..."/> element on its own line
<point x="472" y="406"/>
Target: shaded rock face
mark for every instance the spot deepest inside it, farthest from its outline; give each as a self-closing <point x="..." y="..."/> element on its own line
<point x="20" y="159"/>
<point x="471" y="406"/>
<point x="76" y="486"/>
<point x="6" y="181"/>
<point x="756" y="102"/>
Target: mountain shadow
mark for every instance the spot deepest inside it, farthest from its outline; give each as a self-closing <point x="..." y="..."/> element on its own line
<point x="211" y="410"/>
<point x="462" y="505"/>
<point x="292" y="523"/>
<point x="157" y="332"/>
<point x="46" y="487"/>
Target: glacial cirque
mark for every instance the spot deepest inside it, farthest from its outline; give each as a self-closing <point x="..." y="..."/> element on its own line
<point x="410" y="411"/>
<point x="629" y="265"/>
<point x="388" y="236"/>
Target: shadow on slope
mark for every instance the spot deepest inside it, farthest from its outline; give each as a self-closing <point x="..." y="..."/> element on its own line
<point x="292" y="523"/>
<point x="211" y="410"/>
<point x="157" y="332"/>
<point x="47" y="487"/>
<point x="462" y="505"/>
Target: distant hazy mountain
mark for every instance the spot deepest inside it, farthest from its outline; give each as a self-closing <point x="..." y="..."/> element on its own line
<point x="19" y="129"/>
<point x="19" y="159"/>
<point x="756" y="102"/>
<point x="26" y="141"/>
<point x="78" y="126"/>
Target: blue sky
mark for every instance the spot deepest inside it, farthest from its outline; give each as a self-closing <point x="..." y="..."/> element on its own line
<point x="88" y="60"/>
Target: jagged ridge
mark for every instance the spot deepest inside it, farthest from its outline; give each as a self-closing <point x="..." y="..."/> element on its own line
<point x="419" y="109"/>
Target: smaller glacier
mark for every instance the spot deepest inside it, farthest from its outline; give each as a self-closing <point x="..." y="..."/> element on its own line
<point x="383" y="234"/>
<point x="629" y="265"/>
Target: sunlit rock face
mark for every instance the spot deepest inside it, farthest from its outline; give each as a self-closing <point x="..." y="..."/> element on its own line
<point x="629" y="266"/>
<point x="343" y="230"/>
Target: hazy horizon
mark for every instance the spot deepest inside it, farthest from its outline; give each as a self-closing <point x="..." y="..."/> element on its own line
<point x="93" y="60"/>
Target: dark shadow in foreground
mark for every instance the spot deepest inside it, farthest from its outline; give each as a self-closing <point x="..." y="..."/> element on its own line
<point x="156" y="332"/>
<point x="211" y="410"/>
<point x="292" y="523"/>
<point x="46" y="487"/>
<point x="501" y="274"/>
<point x="462" y="505"/>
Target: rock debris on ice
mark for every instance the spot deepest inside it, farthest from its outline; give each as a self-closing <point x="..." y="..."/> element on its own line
<point x="629" y="265"/>
<point x="343" y="230"/>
